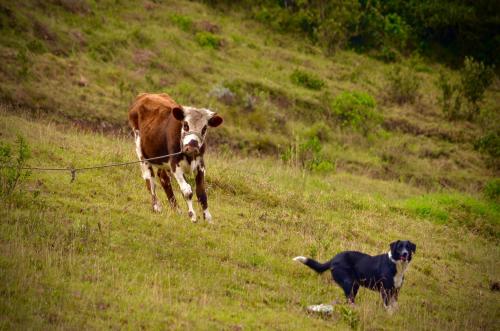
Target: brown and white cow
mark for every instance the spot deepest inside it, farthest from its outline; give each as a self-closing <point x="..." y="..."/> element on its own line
<point x="161" y="126"/>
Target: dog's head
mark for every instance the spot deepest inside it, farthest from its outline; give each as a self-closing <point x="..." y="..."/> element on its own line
<point x="402" y="250"/>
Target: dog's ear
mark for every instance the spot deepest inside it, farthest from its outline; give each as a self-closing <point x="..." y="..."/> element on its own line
<point x="413" y="247"/>
<point x="393" y="245"/>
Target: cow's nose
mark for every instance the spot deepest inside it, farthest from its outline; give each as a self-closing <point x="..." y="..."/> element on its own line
<point x="193" y="143"/>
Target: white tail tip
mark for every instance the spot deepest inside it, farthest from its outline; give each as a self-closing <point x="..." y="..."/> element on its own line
<point x="300" y="259"/>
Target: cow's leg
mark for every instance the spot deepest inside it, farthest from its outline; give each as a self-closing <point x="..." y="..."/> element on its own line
<point x="187" y="192"/>
<point x="167" y="186"/>
<point x="201" y="193"/>
<point x="147" y="173"/>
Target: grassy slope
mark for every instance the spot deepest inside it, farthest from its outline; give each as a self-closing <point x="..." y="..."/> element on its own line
<point x="91" y="254"/>
<point x="86" y="63"/>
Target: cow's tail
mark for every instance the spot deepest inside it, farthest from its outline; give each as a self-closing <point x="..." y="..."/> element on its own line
<point x="313" y="264"/>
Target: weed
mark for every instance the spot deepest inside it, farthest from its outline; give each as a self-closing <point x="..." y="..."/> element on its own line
<point x="208" y="40"/>
<point x="307" y="154"/>
<point x="489" y="144"/>
<point x="24" y="64"/>
<point x="141" y="38"/>
<point x="183" y="22"/>
<point x="11" y="166"/>
<point x="356" y="110"/>
<point x="36" y="46"/>
<point x="350" y="316"/>
<point x="307" y="80"/>
<point x="403" y="84"/>
<point x="492" y="189"/>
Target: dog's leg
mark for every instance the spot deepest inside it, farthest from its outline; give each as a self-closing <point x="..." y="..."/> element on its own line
<point x="346" y="281"/>
<point x="385" y="295"/>
<point x="393" y="302"/>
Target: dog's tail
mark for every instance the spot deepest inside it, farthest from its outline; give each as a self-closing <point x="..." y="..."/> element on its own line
<point x="313" y="264"/>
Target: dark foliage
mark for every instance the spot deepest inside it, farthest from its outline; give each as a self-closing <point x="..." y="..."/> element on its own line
<point x="452" y="29"/>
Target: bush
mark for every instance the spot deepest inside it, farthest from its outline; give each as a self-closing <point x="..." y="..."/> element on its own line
<point x="451" y="98"/>
<point x="489" y="144"/>
<point x="307" y="154"/>
<point x="11" y="172"/>
<point x="475" y="78"/>
<point x="492" y="189"/>
<point x="461" y="100"/>
<point x="307" y="80"/>
<point x="183" y="22"/>
<point x="403" y="84"/>
<point x="356" y="110"/>
<point x="208" y="40"/>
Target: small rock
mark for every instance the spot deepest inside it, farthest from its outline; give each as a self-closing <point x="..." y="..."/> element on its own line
<point x="322" y="309"/>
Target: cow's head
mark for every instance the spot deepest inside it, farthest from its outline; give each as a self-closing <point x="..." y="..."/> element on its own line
<point x="195" y="122"/>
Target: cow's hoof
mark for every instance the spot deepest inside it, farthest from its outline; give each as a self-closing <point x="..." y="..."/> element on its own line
<point x="207" y="216"/>
<point x="192" y="216"/>
<point x="157" y="208"/>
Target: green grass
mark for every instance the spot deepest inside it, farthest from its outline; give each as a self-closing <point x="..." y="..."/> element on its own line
<point x="284" y="178"/>
<point x="63" y="61"/>
<point x="91" y="254"/>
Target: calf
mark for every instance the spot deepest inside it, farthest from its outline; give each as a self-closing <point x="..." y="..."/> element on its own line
<point x="161" y="126"/>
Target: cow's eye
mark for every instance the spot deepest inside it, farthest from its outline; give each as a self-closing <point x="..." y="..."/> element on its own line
<point x="186" y="126"/>
<point x="204" y="130"/>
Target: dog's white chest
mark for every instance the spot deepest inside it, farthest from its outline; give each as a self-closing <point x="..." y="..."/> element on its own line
<point x="400" y="270"/>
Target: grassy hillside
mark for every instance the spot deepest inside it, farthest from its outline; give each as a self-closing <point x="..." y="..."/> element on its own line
<point x="83" y="62"/>
<point x="289" y="173"/>
<point x="91" y="254"/>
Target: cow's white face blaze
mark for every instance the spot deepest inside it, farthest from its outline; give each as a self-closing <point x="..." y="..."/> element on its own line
<point x="195" y="123"/>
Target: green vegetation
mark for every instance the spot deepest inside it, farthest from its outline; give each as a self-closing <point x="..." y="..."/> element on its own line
<point x="356" y="110"/>
<point x="325" y="147"/>
<point x="91" y="254"/>
<point x="307" y="80"/>
<point x="207" y="39"/>
<point x="403" y="85"/>
<point x="451" y="29"/>
<point x="11" y="166"/>
<point x="463" y="99"/>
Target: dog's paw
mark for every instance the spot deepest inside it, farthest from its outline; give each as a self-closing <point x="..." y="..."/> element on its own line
<point x="300" y="259"/>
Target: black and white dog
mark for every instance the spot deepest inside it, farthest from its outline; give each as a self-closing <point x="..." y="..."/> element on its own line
<point x="383" y="273"/>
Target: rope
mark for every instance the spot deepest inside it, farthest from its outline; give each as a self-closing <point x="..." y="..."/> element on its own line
<point x="74" y="170"/>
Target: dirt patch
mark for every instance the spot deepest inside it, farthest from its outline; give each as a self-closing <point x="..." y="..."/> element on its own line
<point x="207" y="26"/>
<point x="75" y="6"/>
<point x="143" y="57"/>
<point x="42" y="31"/>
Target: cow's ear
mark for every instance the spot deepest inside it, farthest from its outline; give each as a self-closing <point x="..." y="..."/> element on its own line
<point x="215" y="121"/>
<point x="393" y="245"/>
<point x="178" y="113"/>
<point x="413" y="247"/>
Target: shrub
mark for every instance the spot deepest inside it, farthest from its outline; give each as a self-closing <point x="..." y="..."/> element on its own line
<point x="307" y="80"/>
<point x="356" y="110"/>
<point x="307" y="154"/>
<point x="24" y="63"/>
<point x="475" y="78"/>
<point x="461" y="100"/>
<point x="11" y="172"/>
<point x="183" y="22"/>
<point x="489" y="144"/>
<point x="403" y="84"/>
<point x="209" y="40"/>
<point x="451" y="98"/>
<point x="492" y="189"/>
